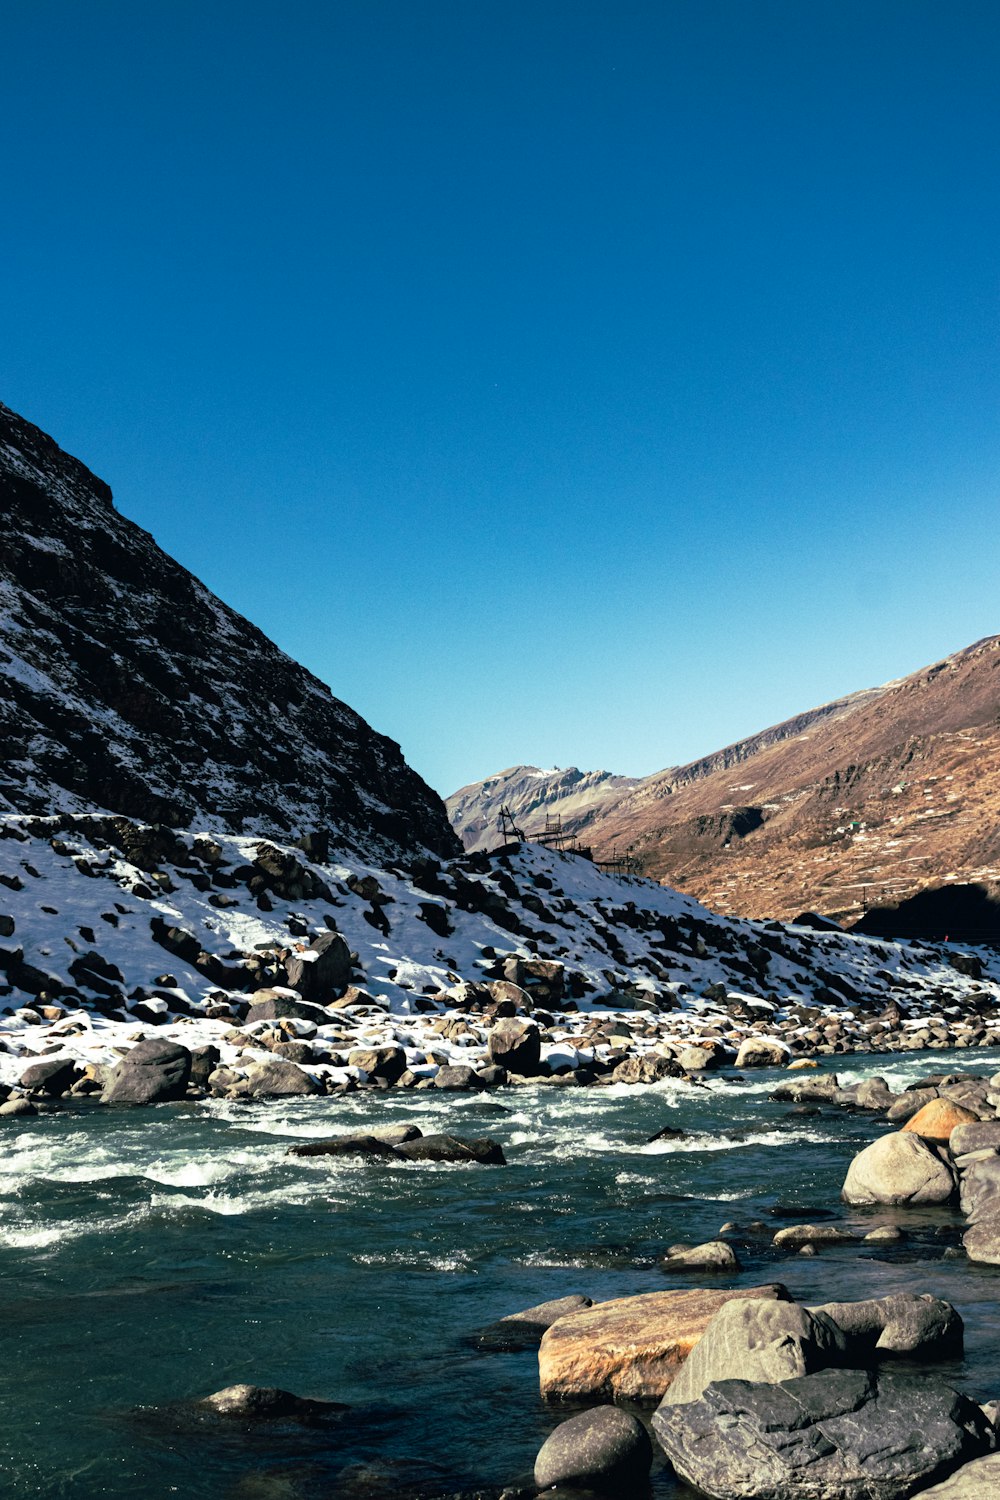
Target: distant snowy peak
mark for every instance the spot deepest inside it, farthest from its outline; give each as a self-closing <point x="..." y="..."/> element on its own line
<point x="532" y="795"/>
<point x="128" y="686"/>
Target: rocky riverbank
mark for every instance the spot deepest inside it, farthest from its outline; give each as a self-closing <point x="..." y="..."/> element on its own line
<point x="278" y="973"/>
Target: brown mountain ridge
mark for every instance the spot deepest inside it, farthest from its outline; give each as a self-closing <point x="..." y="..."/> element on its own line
<point x="870" y="799"/>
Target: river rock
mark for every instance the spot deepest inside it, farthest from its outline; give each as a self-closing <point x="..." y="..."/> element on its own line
<point x="980" y="1201"/>
<point x="459" y="1077"/>
<point x="899" y="1168"/>
<point x="453" y="1148"/>
<point x="715" y="1255"/>
<point x="983" y="1135"/>
<point x="833" y="1435"/>
<point x="762" y="1052"/>
<point x="808" y="1234"/>
<point x="758" y="1340"/>
<point x="388" y="1063"/>
<point x="345" y="1145"/>
<point x="266" y="1403"/>
<point x="524" y="1330"/>
<point x="649" y="1067"/>
<point x="151" y="1072"/>
<point x="908" y="1104"/>
<point x="276" y="1078"/>
<point x="53" y="1076"/>
<point x="17" y="1107"/>
<point x="516" y="1046"/>
<point x="604" y="1449"/>
<point x="698" y="1059"/>
<point x="908" y="1323"/>
<point x="979" y="1480"/>
<point x="936" y="1120"/>
<point x="631" y="1348"/>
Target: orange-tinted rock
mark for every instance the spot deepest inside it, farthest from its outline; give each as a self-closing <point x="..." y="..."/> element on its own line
<point x="631" y="1348"/>
<point x="936" y="1120"/>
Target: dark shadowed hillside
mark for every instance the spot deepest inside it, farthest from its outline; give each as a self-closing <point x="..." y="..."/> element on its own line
<point x="128" y="686"/>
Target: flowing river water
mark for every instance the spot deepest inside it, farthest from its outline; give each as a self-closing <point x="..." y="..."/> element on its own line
<point x="149" y="1257"/>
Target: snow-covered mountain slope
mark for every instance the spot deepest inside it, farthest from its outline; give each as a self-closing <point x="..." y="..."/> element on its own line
<point x="106" y="925"/>
<point x="532" y="794"/>
<point x="127" y="685"/>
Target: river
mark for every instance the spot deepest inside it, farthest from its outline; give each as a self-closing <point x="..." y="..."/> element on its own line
<point x="150" y="1257"/>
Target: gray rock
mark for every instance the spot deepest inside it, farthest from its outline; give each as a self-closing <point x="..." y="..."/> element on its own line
<point x="907" y="1323"/>
<point x="453" y="1148"/>
<point x="276" y="1078"/>
<point x="650" y="1067"/>
<point x="53" y="1076"/>
<point x="899" y="1168"/>
<point x="762" y="1052"/>
<point x="346" y="1145"/>
<point x="459" y="1076"/>
<point x="269" y="1005"/>
<point x="761" y="1340"/>
<point x="979" y="1480"/>
<point x="152" y="1072"/>
<point x="833" y="1435"/>
<point x="516" y="1046"/>
<point x="604" y="1449"/>
<point x="323" y="971"/>
<point x="984" y="1135"/>
<point x="266" y="1403"/>
<point x="698" y="1059"/>
<point x="907" y="1105"/>
<point x="715" y="1255"/>
<point x="523" y="1330"/>
<point x="379" y="1062"/>
<point x="18" y="1106"/>
<point x="805" y="1234"/>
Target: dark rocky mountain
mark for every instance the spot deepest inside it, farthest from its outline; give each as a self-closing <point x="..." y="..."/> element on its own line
<point x="532" y="795"/>
<point x="863" y="801"/>
<point x="129" y="687"/>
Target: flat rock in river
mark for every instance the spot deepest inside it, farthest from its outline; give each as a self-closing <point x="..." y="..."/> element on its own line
<point x="834" y="1435"/>
<point x="630" y="1349"/>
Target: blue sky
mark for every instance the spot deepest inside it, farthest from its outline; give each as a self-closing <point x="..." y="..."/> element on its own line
<point x="562" y="382"/>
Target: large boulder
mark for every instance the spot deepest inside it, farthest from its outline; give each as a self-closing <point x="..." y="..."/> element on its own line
<point x="979" y="1480"/>
<point x="763" y="1052"/>
<point x="388" y="1063"/>
<point x="516" y="1046"/>
<point x="277" y="1078"/>
<point x="646" y="1067"/>
<point x="323" y="971"/>
<point x="604" y="1449"/>
<point x="758" y="1340"/>
<point x="980" y="1201"/>
<point x="833" y="1435"/>
<point x="524" y="1330"/>
<point x="631" y="1348"/>
<point x="907" y="1323"/>
<point x="937" y="1119"/>
<point x="460" y="1077"/>
<point x="899" y="1168"/>
<point x="54" y="1076"/>
<point x="983" y="1135"/>
<point x="151" y="1072"/>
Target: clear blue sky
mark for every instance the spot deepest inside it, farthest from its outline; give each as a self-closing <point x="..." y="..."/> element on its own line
<point x="563" y="382"/>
